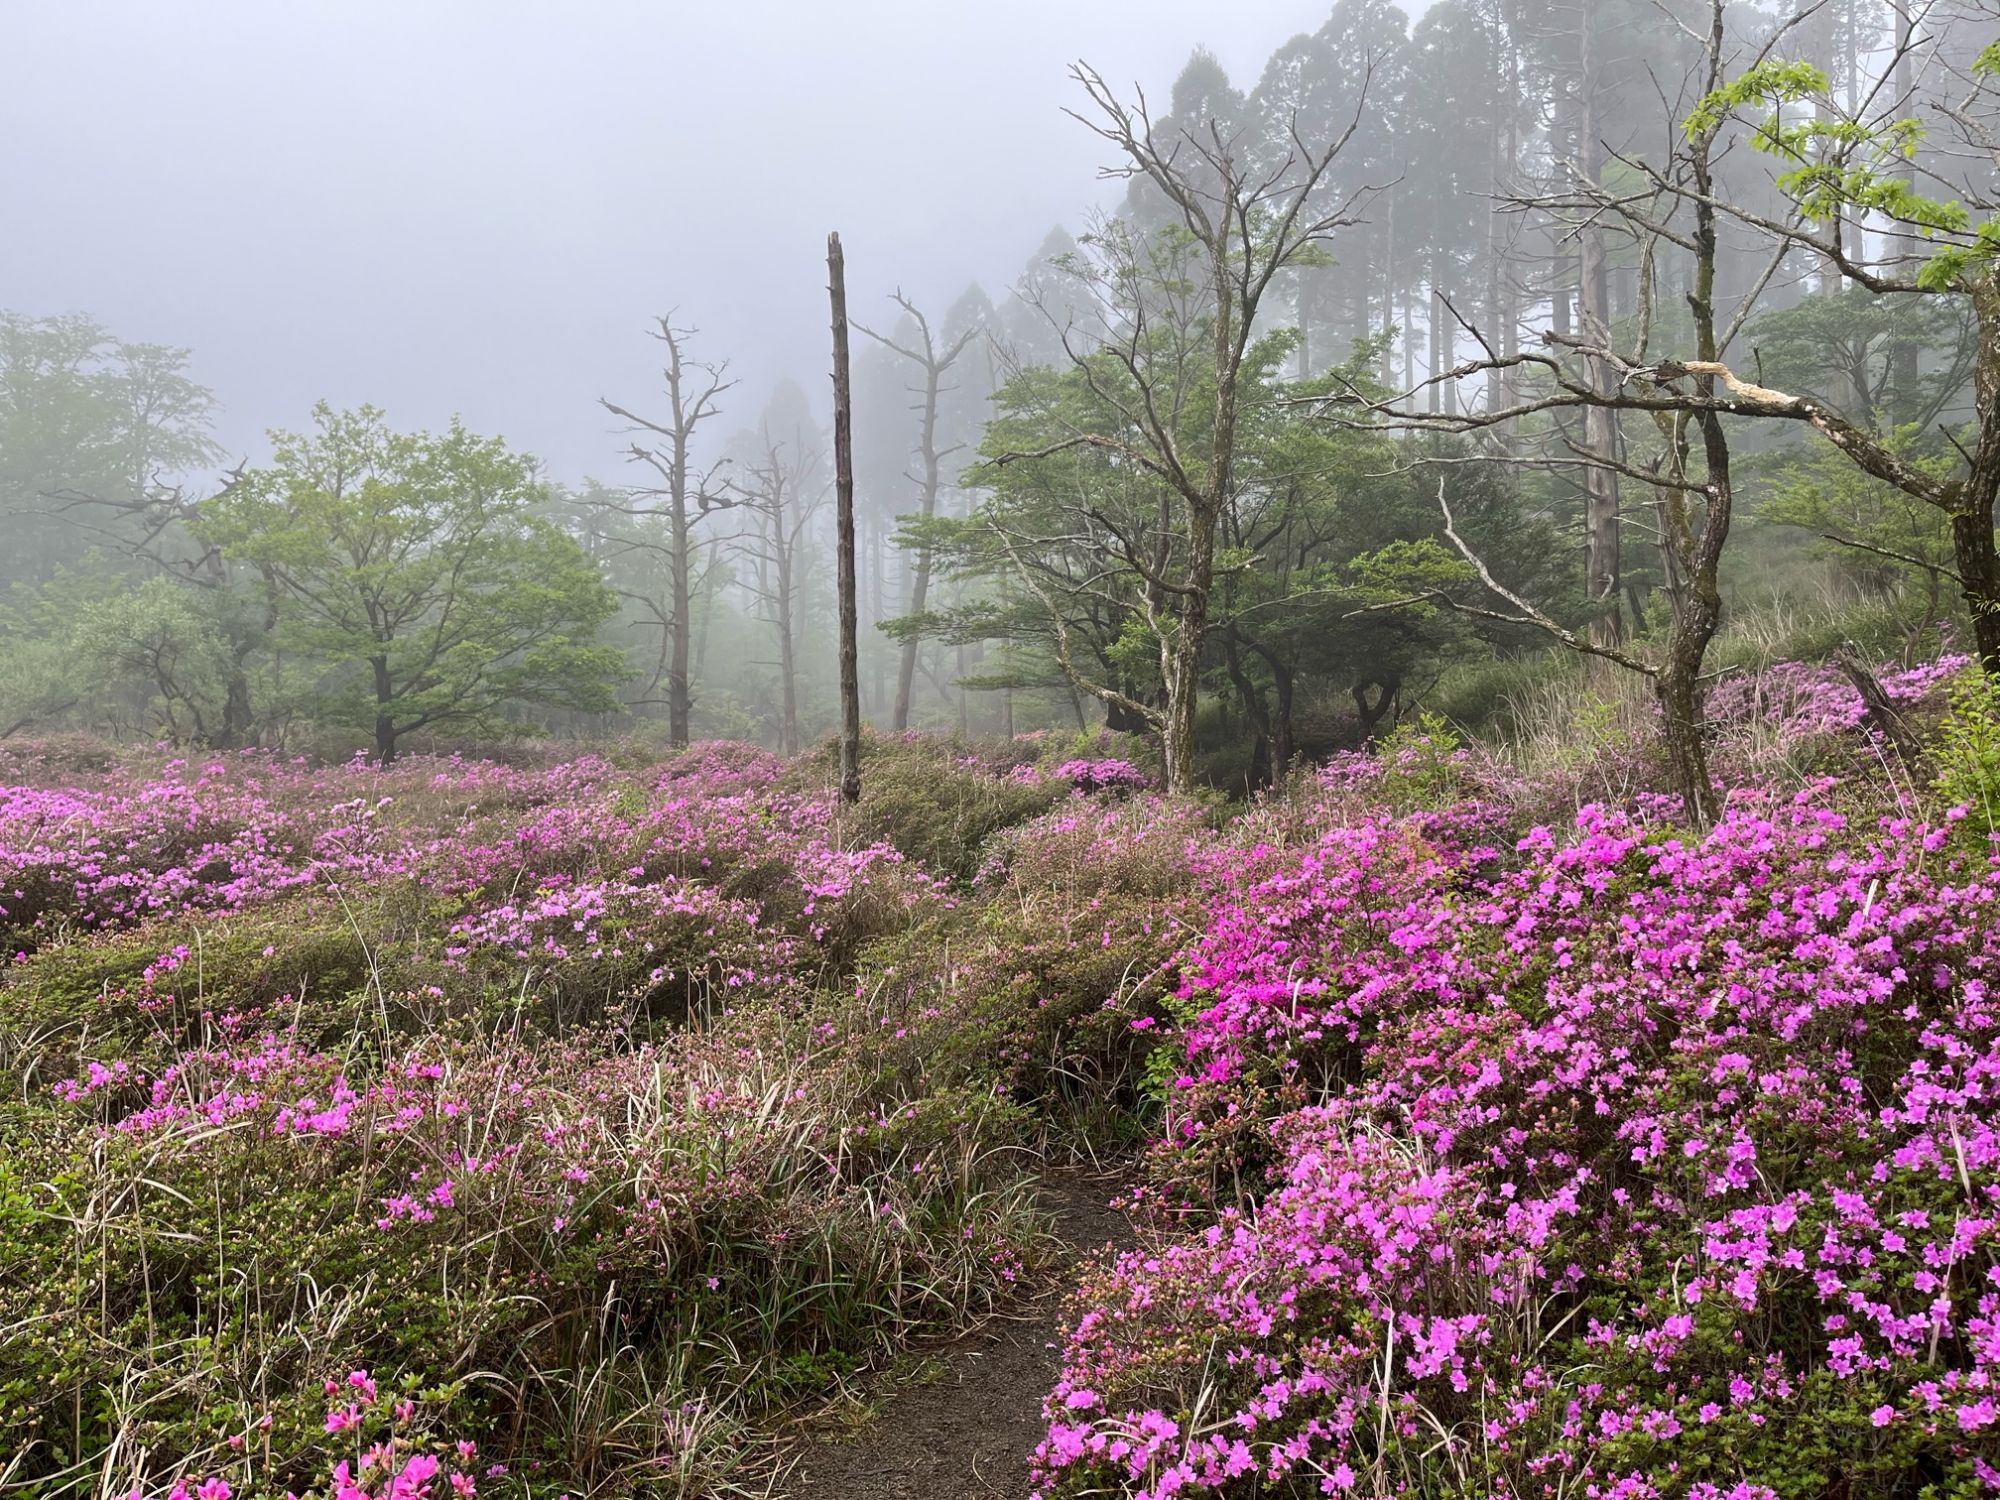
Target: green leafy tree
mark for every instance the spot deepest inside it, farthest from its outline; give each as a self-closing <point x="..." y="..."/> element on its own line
<point x="1878" y="162"/>
<point x="419" y="571"/>
<point x="95" y="435"/>
<point x="1166" y="365"/>
<point x="1893" y="545"/>
<point x="163" y="646"/>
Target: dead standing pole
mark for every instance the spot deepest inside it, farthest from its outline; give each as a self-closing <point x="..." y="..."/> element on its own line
<point x="843" y="493"/>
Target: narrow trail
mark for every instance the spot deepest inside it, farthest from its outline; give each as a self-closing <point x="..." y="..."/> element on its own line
<point x="970" y="1431"/>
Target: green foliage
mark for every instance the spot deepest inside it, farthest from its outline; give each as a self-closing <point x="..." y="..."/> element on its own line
<point x="93" y="429"/>
<point x="1898" y="547"/>
<point x="417" y="571"/>
<point x="920" y="797"/>
<point x="1427" y="762"/>
<point x="1840" y="166"/>
<point x="1966" y="752"/>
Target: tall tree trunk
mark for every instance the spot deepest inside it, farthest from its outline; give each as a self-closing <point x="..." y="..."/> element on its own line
<point x="843" y="469"/>
<point x="1603" y="542"/>
<point x="707" y="622"/>
<point x="1255" y="710"/>
<point x="878" y="601"/>
<point x="1678" y="683"/>
<point x="787" y="660"/>
<point x="1284" y="743"/>
<point x="1304" y="309"/>
<point x="385" y="723"/>
<point x="920" y="585"/>
<point x="238" y="721"/>
<point x="680" y="701"/>
<point x="1507" y="148"/>
<point x="1409" y="335"/>
<point x="1183" y="663"/>
<point x="1907" y="373"/>
<point x="1441" y="397"/>
<point x="692" y="390"/>
<point x="1972" y="500"/>
<point x="1389" y="276"/>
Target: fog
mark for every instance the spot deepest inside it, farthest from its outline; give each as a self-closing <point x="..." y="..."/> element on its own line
<point x="450" y="207"/>
<point x="1190" y="507"/>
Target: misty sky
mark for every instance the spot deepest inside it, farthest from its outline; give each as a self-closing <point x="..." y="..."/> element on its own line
<point x="474" y="206"/>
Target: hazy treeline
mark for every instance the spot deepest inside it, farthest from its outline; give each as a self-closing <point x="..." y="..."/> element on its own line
<point x="1439" y="350"/>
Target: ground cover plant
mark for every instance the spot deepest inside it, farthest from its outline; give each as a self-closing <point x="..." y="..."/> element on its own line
<point x="1511" y="1154"/>
<point x="573" y="1126"/>
<point x="563" y="1100"/>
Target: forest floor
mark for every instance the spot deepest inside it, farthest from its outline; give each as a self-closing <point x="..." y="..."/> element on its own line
<point x="965" y="1421"/>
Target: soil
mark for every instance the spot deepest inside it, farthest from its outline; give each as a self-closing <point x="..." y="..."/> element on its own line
<point x="970" y="1431"/>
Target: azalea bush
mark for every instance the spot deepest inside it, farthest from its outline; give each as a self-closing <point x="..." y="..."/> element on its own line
<point x="531" y="1090"/>
<point x="574" y="1127"/>
<point x="1589" y="1157"/>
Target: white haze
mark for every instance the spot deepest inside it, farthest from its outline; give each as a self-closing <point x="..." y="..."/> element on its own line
<point x="474" y="206"/>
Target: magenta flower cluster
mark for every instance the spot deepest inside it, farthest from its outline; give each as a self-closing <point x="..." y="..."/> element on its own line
<point x="1800" y="700"/>
<point x="1590" y="1166"/>
<point x="1101" y="775"/>
<point x="390" y="1455"/>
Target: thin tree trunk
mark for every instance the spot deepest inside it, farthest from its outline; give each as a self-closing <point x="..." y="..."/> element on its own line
<point x="1183" y="664"/>
<point x="1283" y="742"/>
<point x="1678" y="684"/>
<point x="1905" y="371"/>
<point x="920" y="585"/>
<point x="1255" y="710"/>
<point x="1304" y="274"/>
<point x="1388" y="356"/>
<point x="787" y="658"/>
<point x="1603" y="544"/>
<point x="1440" y="351"/>
<point x="385" y="723"/>
<point x="680" y="701"/>
<point x="878" y="608"/>
<point x="843" y="469"/>
<point x="238" y="714"/>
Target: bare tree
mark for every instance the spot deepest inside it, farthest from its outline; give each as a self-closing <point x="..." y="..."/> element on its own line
<point x="1247" y="220"/>
<point x="1602" y="523"/>
<point x="933" y="359"/>
<point x="1686" y="399"/>
<point x="843" y="482"/>
<point x="783" y="490"/>
<point x="694" y="390"/>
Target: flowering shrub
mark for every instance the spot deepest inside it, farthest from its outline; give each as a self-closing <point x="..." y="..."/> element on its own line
<point x="1801" y="700"/>
<point x="1639" y="1164"/>
<point x="1501" y="1138"/>
<point x="385" y="1068"/>
<point x="386" y="1454"/>
<point x="1101" y="775"/>
<point x="592" y="944"/>
<point x="1140" y="845"/>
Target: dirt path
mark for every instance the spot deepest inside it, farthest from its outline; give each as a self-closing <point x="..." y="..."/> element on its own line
<point x="970" y="1431"/>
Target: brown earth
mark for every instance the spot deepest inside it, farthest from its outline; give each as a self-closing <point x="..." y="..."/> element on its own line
<point x="970" y="1430"/>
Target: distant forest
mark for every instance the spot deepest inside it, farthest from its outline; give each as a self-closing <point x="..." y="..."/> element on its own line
<point x="1443" y="360"/>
